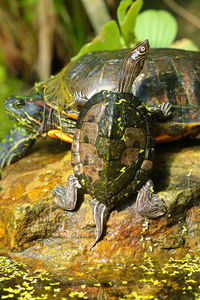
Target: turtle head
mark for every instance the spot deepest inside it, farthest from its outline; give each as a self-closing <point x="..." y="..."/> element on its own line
<point x="26" y="111"/>
<point x="132" y="65"/>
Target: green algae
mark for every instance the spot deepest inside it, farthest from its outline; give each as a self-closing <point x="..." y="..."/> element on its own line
<point x="19" y="282"/>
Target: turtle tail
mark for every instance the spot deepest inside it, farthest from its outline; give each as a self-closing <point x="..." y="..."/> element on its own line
<point x="100" y="213"/>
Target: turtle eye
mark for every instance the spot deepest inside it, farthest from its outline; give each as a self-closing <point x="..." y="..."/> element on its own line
<point x="19" y="103"/>
<point x="142" y="49"/>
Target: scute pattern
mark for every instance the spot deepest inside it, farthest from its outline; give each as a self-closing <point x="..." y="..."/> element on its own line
<point x="96" y="113"/>
<point x="114" y="137"/>
<point x="129" y="156"/>
<point x="135" y="137"/>
<point x="147" y="165"/>
<point x="89" y="132"/>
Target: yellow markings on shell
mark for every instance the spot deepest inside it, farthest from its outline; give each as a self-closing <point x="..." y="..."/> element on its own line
<point x="123" y="138"/>
<point x="123" y="170"/>
<point x="120" y="101"/>
<point x="102" y="71"/>
<point x="120" y="124"/>
<point x="82" y="181"/>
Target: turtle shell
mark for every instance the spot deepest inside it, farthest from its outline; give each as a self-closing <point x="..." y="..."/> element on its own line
<point x="169" y="75"/>
<point x="113" y="146"/>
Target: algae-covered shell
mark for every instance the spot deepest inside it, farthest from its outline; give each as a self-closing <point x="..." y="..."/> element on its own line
<point x="113" y="146"/>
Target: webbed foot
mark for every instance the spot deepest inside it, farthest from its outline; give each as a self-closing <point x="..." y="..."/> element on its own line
<point x="66" y="196"/>
<point x="100" y="213"/>
<point x="149" y="204"/>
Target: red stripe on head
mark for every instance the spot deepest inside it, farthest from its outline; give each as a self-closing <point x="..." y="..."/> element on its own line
<point x="40" y="103"/>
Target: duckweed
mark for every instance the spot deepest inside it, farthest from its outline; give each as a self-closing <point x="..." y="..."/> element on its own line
<point x="150" y="280"/>
<point x="19" y="282"/>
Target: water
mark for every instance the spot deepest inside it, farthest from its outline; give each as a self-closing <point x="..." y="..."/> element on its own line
<point x="176" y="279"/>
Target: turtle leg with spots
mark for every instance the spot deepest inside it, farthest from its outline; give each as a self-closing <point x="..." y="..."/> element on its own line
<point x="149" y="204"/>
<point x="66" y="196"/>
<point x="162" y="111"/>
<point x="15" y="145"/>
<point x="80" y="99"/>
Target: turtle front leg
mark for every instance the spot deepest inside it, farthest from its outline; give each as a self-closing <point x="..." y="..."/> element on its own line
<point x="80" y="99"/>
<point x="149" y="204"/>
<point x="100" y="213"/>
<point x="15" y="145"/>
<point x="162" y="111"/>
<point x="66" y="196"/>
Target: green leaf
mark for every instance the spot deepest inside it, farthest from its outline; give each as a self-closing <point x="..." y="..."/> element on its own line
<point x="108" y="39"/>
<point x="111" y="36"/>
<point x="89" y="47"/>
<point x="159" y="26"/>
<point x="127" y="13"/>
<point x="122" y="9"/>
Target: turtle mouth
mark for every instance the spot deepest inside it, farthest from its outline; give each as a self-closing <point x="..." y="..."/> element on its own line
<point x="11" y="112"/>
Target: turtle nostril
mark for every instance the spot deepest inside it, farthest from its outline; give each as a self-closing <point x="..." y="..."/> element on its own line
<point x="9" y="100"/>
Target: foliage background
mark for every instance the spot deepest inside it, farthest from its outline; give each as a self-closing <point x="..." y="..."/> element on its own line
<point x="38" y="37"/>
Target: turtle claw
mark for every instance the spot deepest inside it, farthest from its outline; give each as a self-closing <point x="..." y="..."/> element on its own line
<point x="149" y="204"/>
<point x="166" y="109"/>
<point x="100" y="213"/>
<point x="80" y="98"/>
<point x="162" y="111"/>
<point x="66" y="196"/>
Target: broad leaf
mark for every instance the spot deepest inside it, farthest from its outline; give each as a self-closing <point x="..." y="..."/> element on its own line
<point x="127" y="13"/>
<point x="111" y="36"/>
<point x="108" y="39"/>
<point x="122" y="10"/>
<point x="159" y="26"/>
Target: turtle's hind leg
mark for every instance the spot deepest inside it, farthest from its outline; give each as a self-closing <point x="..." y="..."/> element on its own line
<point x="100" y="213"/>
<point x="66" y="196"/>
<point x="149" y="204"/>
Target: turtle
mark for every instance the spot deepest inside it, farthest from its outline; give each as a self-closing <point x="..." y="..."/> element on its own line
<point x="34" y="118"/>
<point x="113" y="150"/>
<point x="169" y="75"/>
<point x="36" y="115"/>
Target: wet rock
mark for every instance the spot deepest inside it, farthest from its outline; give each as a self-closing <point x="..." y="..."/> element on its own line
<point x="34" y="227"/>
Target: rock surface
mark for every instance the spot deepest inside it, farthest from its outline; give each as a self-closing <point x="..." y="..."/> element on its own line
<point x="28" y="215"/>
<point x="34" y="229"/>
